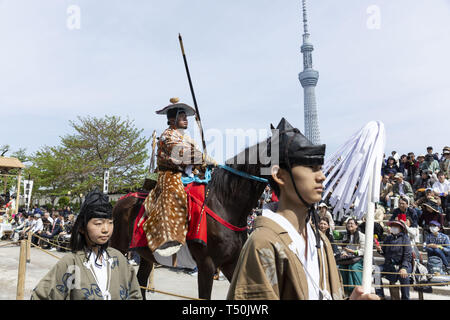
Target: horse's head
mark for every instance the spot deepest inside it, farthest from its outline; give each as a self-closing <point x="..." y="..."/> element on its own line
<point x="241" y="183"/>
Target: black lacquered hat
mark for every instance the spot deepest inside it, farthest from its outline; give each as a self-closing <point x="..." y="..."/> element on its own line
<point x="295" y="148"/>
<point x="96" y="205"/>
<point x="175" y="107"/>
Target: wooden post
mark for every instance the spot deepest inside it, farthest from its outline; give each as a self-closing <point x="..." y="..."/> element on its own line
<point x="174" y="260"/>
<point x="22" y="270"/>
<point x="151" y="283"/>
<point x="29" y="247"/>
<point x="18" y="192"/>
<point x="5" y="181"/>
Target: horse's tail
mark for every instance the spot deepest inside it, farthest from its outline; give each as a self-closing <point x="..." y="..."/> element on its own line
<point x="124" y="214"/>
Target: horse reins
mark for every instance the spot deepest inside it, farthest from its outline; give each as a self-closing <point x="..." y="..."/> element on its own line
<point x="207" y="189"/>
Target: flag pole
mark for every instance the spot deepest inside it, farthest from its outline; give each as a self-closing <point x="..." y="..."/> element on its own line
<point x="368" y="246"/>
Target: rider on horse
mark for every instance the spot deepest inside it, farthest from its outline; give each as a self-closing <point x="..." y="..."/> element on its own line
<point x="166" y="205"/>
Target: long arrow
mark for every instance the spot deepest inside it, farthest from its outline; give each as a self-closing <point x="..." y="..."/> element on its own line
<point x="152" y="159"/>
<point x="197" y="113"/>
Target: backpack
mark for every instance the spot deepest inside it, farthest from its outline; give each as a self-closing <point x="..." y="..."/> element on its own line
<point x="435" y="265"/>
<point x="421" y="277"/>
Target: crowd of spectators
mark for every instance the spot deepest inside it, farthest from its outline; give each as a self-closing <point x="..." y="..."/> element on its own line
<point x="413" y="209"/>
<point x="415" y="195"/>
<point x="51" y="229"/>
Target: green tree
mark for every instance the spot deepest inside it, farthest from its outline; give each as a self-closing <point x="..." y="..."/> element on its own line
<point x="49" y="173"/>
<point x="21" y="154"/>
<point x="63" y="202"/>
<point x="105" y="143"/>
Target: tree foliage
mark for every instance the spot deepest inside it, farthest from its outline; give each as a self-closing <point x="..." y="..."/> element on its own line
<point x="106" y="143"/>
<point x="49" y="173"/>
<point x="77" y="165"/>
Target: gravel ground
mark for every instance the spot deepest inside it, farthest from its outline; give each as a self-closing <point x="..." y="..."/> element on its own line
<point x="166" y="280"/>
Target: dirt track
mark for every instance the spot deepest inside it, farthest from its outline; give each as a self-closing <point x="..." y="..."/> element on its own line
<point x="168" y="280"/>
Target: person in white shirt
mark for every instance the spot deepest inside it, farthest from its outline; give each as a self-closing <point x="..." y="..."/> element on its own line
<point x="47" y="216"/>
<point x="441" y="187"/>
<point x="39" y="225"/>
<point x="29" y="224"/>
<point x="37" y="228"/>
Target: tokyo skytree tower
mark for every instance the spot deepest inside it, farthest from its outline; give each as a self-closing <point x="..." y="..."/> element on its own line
<point x="308" y="78"/>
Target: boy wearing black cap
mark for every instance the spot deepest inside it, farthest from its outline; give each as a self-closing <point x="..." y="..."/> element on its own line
<point x="286" y="256"/>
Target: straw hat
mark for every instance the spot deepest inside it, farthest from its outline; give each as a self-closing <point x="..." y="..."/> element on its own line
<point x="431" y="204"/>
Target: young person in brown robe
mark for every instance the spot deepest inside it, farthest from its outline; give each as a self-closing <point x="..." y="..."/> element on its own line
<point x="92" y="270"/>
<point x="286" y="257"/>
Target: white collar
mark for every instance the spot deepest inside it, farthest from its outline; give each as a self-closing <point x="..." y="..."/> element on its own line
<point x="105" y="267"/>
<point x="297" y="246"/>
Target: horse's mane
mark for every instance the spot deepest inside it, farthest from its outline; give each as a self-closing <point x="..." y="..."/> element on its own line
<point x="227" y="185"/>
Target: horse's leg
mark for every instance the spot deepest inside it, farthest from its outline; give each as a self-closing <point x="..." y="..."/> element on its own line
<point x="145" y="268"/>
<point x="146" y="263"/>
<point x="228" y="270"/>
<point x="206" y="269"/>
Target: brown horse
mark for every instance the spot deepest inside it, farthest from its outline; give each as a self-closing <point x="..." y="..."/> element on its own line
<point x="231" y="196"/>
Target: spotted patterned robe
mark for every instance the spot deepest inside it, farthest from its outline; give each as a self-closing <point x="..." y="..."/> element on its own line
<point x="166" y="204"/>
<point x="176" y="151"/>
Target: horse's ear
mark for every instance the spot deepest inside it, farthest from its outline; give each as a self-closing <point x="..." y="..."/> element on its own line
<point x="272" y="127"/>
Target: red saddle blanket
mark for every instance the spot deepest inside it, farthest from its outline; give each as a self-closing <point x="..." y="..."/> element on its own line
<point x="197" y="229"/>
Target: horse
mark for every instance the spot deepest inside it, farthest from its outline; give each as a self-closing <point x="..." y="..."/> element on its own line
<point x="231" y="196"/>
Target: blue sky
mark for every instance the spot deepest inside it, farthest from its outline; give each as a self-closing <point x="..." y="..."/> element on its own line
<point x="244" y="58"/>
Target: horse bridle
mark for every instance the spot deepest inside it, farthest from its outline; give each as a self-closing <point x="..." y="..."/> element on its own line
<point x="236" y="172"/>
